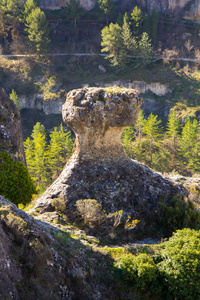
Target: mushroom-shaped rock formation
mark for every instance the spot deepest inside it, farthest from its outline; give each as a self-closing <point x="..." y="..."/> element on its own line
<point x="99" y="168"/>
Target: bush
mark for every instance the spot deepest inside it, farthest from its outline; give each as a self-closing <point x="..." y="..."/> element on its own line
<point x="91" y="212"/>
<point x="180" y="266"/>
<point x="15" y="182"/>
<point x="139" y="271"/>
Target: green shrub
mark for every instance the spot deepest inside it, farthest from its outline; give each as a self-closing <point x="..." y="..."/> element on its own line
<point x="178" y="214"/>
<point x="139" y="271"/>
<point x="180" y="266"/>
<point x="15" y="183"/>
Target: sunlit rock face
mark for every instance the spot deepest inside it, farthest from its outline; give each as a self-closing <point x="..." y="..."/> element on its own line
<point x="98" y="117"/>
<point x="99" y="168"/>
<point x="10" y="128"/>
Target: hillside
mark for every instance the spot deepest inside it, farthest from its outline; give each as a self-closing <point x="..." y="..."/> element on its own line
<point x="66" y="246"/>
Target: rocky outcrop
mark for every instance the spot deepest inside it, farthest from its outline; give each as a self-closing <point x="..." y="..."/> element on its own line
<point x="58" y="4"/>
<point x="142" y="87"/>
<point x="99" y="168"/>
<point x="162" y="6"/>
<point x="10" y="128"/>
<point x="54" y="106"/>
<point x="39" y="261"/>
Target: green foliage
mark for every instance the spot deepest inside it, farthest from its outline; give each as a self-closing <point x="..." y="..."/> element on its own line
<point x="10" y="17"/>
<point x="44" y="161"/>
<point x="173" y="273"/>
<point x="112" y="42"/>
<point x="127" y="138"/>
<point x="136" y="16"/>
<point x="47" y="87"/>
<point x="139" y="271"/>
<point x="14" y="97"/>
<point x="107" y="6"/>
<point x="180" y="265"/>
<point x="15" y="182"/>
<point x="124" y="48"/>
<point x="29" y="6"/>
<point x="37" y="30"/>
<point x="145" y="50"/>
<point x="190" y="145"/>
<point x="178" y="214"/>
<point x="177" y="149"/>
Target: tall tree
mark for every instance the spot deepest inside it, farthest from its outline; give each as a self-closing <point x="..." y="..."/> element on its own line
<point x="137" y="18"/>
<point x="152" y="131"/>
<point x="112" y="42"/>
<point x="37" y="30"/>
<point x="59" y="150"/>
<point x="173" y="128"/>
<point x="14" y="97"/>
<point x="74" y="11"/>
<point x="107" y="6"/>
<point x="10" y="16"/>
<point x="145" y="50"/>
<point x="190" y="145"/>
<point x="127" y="139"/>
<point x="36" y="155"/>
<point x="29" y="6"/>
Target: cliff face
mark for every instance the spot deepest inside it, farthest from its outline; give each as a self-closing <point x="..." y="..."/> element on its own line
<point x="58" y="4"/>
<point x="162" y="6"/>
<point x="10" y="128"/>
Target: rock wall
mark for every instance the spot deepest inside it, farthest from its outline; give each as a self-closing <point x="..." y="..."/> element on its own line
<point x="55" y="107"/>
<point x="162" y="6"/>
<point x="58" y="4"/>
<point x="10" y="128"/>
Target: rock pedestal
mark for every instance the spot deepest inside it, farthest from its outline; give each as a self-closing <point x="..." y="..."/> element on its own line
<point x="99" y="168"/>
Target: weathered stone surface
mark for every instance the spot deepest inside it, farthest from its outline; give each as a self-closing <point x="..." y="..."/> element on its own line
<point x="58" y="4"/>
<point x="39" y="261"/>
<point x="142" y="87"/>
<point x="10" y="128"/>
<point x="162" y="6"/>
<point x="99" y="168"/>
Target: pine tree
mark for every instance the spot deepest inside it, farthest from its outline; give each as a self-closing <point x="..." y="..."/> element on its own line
<point x="173" y="128"/>
<point x="59" y="150"/>
<point x="190" y="145"/>
<point x="145" y="50"/>
<point x="107" y="6"/>
<point x="152" y="131"/>
<point x="73" y="10"/>
<point x="36" y="156"/>
<point x="112" y="42"/>
<point x="127" y="139"/>
<point x="14" y="97"/>
<point x="37" y="30"/>
<point x="29" y="6"/>
<point x="10" y="16"/>
<point x="136" y="16"/>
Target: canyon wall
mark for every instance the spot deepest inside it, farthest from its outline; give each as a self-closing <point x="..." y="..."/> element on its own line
<point x="186" y="7"/>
